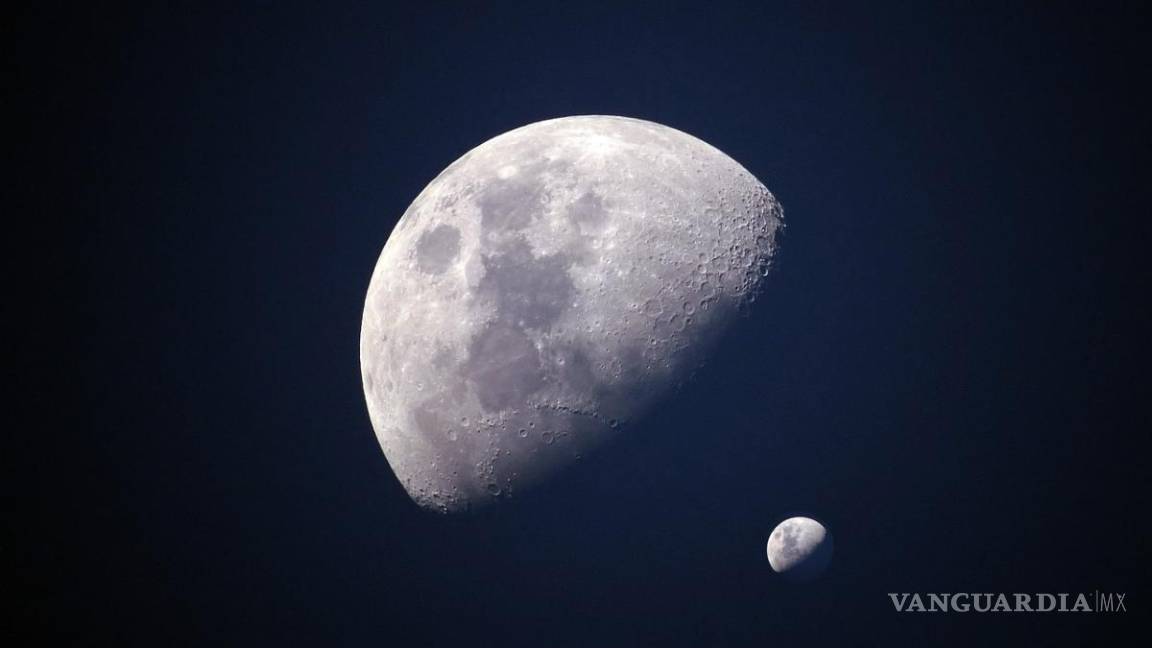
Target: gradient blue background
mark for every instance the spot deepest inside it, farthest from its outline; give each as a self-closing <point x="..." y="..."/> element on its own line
<point x="949" y="366"/>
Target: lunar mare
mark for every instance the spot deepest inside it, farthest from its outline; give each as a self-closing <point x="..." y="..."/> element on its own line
<point x="800" y="548"/>
<point x="544" y="290"/>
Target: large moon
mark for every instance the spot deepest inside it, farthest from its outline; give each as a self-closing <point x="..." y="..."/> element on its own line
<point x="800" y="548"/>
<point x="544" y="290"/>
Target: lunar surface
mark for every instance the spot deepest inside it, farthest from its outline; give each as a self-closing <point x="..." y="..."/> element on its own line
<point x="544" y="290"/>
<point x="800" y="548"/>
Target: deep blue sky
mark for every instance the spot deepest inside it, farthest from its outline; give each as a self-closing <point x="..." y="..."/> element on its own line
<point x="949" y="366"/>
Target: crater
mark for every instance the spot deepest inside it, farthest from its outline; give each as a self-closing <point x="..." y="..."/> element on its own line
<point x="437" y="249"/>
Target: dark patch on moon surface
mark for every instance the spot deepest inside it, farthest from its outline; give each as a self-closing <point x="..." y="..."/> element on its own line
<point x="437" y="248"/>
<point x="790" y="540"/>
<point x="510" y="204"/>
<point x="428" y="420"/>
<point x="503" y="366"/>
<point x="529" y="291"/>
<point x="576" y="371"/>
<point x="443" y="359"/>
<point x="587" y="212"/>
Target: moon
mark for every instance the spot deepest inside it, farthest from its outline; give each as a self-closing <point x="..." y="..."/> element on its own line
<point x="547" y="288"/>
<point x="800" y="548"/>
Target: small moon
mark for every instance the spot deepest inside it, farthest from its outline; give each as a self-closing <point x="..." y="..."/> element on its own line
<point x="800" y="548"/>
<point x="544" y="290"/>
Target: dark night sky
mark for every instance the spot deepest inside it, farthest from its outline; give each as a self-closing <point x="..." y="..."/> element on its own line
<point x="949" y="366"/>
